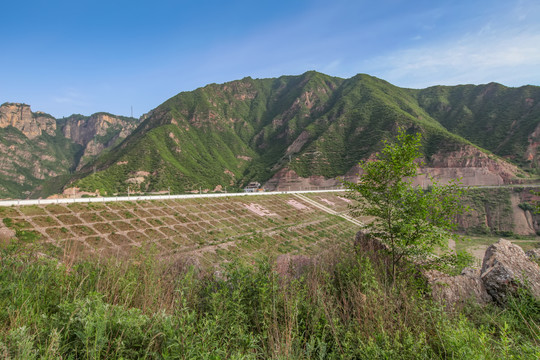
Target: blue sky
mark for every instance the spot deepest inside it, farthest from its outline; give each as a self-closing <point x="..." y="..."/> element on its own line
<point x="79" y="56"/>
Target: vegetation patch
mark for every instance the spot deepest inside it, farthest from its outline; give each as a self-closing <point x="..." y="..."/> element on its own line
<point x="91" y="217"/>
<point x="58" y="233"/>
<point x="44" y="221"/>
<point x="69" y="219"/>
<point x="57" y="209"/>
<point x="122" y="225"/>
<point x="109" y="215"/>
<point x="82" y="230"/>
<point x="106" y="228"/>
<point x="32" y="210"/>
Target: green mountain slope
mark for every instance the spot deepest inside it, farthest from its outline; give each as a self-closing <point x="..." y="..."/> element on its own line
<point x="251" y="129"/>
<point x="287" y="131"/>
<point x="501" y="119"/>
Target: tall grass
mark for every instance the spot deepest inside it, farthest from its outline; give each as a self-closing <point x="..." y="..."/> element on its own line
<point x="335" y="307"/>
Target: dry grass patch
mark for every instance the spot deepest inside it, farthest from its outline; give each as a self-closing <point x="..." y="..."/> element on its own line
<point x="137" y="237"/>
<point x="58" y="233"/>
<point x="78" y="207"/>
<point x="117" y="205"/>
<point x="155" y="222"/>
<point x="125" y="214"/>
<point x="17" y="223"/>
<point x="32" y="210"/>
<point x="140" y="213"/>
<point x="168" y="231"/>
<point x="82" y="230"/>
<point x="181" y="218"/>
<point x="97" y="206"/>
<point x="9" y="212"/>
<point x="69" y="219"/>
<point x="45" y="221"/>
<point x="98" y="243"/>
<point x="182" y="229"/>
<point x="57" y="209"/>
<point x="168" y="211"/>
<point x="168" y="220"/>
<point x="91" y="217"/>
<point x="119" y="239"/>
<point x="109" y="215"/>
<point x="104" y="228"/>
<point x="140" y="224"/>
<point x="122" y="225"/>
<point x="156" y="212"/>
<point x="153" y="234"/>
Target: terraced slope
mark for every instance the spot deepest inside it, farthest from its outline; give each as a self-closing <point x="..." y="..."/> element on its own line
<point x="210" y="230"/>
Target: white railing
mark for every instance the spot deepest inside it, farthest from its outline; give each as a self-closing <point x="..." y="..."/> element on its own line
<point x="152" y="197"/>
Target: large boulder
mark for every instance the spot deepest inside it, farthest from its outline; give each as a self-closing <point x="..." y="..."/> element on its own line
<point x="505" y="268"/>
<point x="457" y="290"/>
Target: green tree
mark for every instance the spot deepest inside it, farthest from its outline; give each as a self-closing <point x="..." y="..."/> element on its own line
<point x="410" y="221"/>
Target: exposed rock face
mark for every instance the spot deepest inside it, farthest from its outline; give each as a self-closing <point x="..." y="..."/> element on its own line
<point x="30" y="124"/>
<point x="473" y="166"/>
<point x="453" y="290"/>
<point x="505" y="268"/>
<point x="532" y="149"/>
<point x="97" y="132"/>
<point x="286" y="179"/>
<point x="469" y="157"/>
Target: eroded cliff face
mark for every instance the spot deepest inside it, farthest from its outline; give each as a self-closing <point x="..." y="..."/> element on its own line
<point x="97" y="132"/>
<point x="472" y="166"/>
<point x="21" y="117"/>
<point x="531" y="154"/>
<point x="28" y="158"/>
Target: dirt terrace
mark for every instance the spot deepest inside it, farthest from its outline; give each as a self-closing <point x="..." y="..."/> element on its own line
<point x="213" y="229"/>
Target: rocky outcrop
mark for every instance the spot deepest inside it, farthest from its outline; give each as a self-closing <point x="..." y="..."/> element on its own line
<point x="457" y="290"/>
<point x="506" y="268"/>
<point x="97" y="132"/>
<point x="469" y="164"/>
<point x="22" y="118"/>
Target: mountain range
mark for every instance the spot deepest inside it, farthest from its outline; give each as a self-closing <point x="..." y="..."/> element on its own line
<point x="286" y="132"/>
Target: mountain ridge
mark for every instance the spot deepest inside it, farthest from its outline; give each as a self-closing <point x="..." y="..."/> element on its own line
<point x="315" y="128"/>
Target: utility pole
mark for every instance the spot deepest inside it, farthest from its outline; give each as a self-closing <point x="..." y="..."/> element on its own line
<point x="131" y="110"/>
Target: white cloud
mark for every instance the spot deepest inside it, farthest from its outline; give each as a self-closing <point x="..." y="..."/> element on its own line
<point x="511" y="57"/>
<point x="71" y="97"/>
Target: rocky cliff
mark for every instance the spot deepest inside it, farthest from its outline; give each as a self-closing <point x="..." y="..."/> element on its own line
<point x="36" y="148"/>
<point x="97" y="132"/>
<point x="22" y="118"/>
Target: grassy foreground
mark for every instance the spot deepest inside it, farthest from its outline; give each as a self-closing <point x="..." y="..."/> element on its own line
<point x="338" y="307"/>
